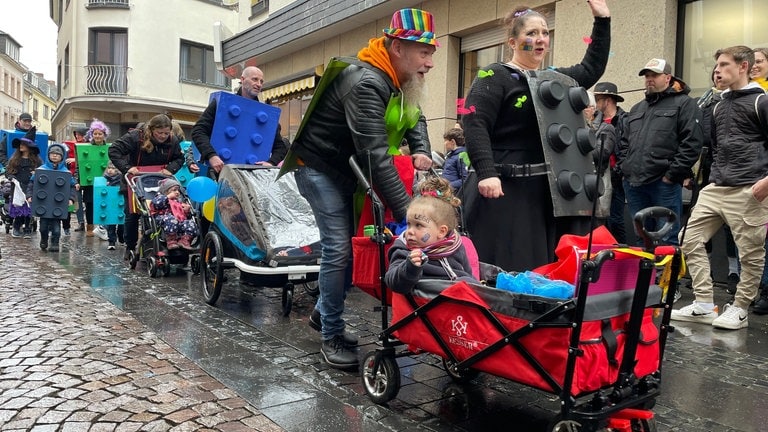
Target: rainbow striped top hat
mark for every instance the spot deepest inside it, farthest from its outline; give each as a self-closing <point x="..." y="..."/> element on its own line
<point x="413" y="25"/>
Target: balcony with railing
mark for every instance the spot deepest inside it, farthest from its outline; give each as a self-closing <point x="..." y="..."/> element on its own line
<point x="121" y="4"/>
<point x="106" y="80"/>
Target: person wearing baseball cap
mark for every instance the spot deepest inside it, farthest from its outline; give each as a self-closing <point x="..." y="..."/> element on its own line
<point x="367" y="108"/>
<point x="661" y="143"/>
<point x="24" y="124"/>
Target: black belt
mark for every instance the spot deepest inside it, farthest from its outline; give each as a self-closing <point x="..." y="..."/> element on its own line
<point x="524" y="170"/>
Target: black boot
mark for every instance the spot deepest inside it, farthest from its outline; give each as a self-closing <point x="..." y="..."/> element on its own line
<point x="761" y="306"/>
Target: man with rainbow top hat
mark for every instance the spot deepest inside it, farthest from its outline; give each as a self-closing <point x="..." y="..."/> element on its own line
<point x="363" y="106"/>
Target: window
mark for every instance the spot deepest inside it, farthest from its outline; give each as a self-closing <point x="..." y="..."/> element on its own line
<point x="197" y="65"/>
<point x="259" y="6"/>
<point x="46" y="112"/>
<point x="66" y="65"/>
<point x="107" y="61"/>
<point x="108" y="47"/>
<point x="704" y="21"/>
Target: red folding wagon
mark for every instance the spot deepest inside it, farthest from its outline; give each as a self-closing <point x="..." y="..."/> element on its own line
<point x="600" y="352"/>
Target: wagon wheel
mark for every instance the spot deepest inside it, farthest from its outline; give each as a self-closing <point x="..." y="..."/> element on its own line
<point x="382" y="386"/>
<point x="570" y="425"/>
<point x="643" y="425"/>
<point x="152" y="267"/>
<point x="287" y="299"/>
<point x="463" y="376"/>
<point x="212" y="267"/>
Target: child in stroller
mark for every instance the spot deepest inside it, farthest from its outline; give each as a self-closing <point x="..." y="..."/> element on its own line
<point x="174" y="216"/>
<point x="159" y="249"/>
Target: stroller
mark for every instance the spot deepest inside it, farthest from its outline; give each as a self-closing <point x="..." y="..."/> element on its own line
<point x="6" y="194"/>
<point x="600" y="352"/>
<point x="152" y="248"/>
<point x="263" y="227"/>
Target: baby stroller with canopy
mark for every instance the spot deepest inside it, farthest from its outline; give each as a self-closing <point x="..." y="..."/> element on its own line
<point x="599" y="351"/>
<point x="152" y="249"/>
<point x="263" y="227"/>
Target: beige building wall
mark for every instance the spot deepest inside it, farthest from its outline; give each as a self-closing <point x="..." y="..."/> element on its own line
<point x="640" y="31"/>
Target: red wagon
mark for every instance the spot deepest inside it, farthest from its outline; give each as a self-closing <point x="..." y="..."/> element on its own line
<point x="599" y="352"/>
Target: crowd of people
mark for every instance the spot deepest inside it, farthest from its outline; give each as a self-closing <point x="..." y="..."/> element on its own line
<point x="645" y="157"/>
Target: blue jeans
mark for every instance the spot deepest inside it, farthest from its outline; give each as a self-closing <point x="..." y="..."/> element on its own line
<point x="653" y="194"/>
<point x="53" y="226"/>
<point x="331" y="202"/>
<point x="115" y="232"/>
<point x="80" y="211"/>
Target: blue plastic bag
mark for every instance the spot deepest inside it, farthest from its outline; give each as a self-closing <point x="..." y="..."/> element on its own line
<point x="533" y="283"/>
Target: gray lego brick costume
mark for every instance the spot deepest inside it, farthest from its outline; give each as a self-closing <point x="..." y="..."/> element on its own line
<point x="51" y="194"/>
<point x="567" y="141"/>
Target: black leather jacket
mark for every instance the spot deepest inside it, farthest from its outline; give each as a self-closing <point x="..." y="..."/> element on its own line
<point x="126" y="153"/>
<point x="349" y="120"/>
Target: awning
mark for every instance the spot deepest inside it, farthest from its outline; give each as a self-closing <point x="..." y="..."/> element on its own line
<point x="288" y="88"/>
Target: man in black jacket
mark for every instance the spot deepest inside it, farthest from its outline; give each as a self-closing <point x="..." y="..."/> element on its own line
<point x="735" y="195"/>
<point x="251" y="82"/>
<point x="368" y="107"/>
<point x="660" y="143"/>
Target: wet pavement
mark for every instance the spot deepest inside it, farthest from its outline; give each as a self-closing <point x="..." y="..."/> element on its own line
<point x="159" y="358"/>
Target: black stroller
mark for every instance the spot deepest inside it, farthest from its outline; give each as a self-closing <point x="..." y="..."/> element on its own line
<point x="152" y="248"/>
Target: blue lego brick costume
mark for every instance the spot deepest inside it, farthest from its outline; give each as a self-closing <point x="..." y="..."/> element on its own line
<point x="244" y="129"/>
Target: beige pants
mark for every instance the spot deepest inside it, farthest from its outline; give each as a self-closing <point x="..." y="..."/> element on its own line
<point x="737" y="207"/>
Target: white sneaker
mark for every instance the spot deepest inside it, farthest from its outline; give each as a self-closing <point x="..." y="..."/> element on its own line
<point x="733" y="318"/>
<point x="694" y="313"/>
<point x="101" y="232"/>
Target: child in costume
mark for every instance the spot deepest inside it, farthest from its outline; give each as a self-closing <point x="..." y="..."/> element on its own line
<point x="174" y="216"/>
<point x="52" y="225"/>
<point x="114" y="232"/>
<point x="19" y="171"/>
<point x="431" y="247"/>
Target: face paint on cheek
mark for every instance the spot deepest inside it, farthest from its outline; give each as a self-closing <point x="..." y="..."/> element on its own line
<point x="527" y="45"/>
<point x="425" y="238"/>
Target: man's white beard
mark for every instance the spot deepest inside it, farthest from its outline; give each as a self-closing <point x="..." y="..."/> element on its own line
<point x="414" y="91"/>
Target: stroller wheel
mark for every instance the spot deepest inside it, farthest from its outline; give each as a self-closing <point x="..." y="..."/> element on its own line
<point x="381" y="376"/>
<point x="287" y="299"/>
<point x="312" y="288"/>
<point x="212" y="267"/>
<point x="132" y="260"/>
<point x="462" y="376"/>
<point x="194" y="264"/>
<point x="165" y="265"/>
<point x="152" y="267"/>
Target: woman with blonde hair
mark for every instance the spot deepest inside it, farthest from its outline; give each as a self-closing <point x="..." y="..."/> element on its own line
<point x="153" y="144"/>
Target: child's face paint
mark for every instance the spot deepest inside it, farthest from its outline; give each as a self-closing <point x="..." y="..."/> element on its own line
<point x="422" y="229"/>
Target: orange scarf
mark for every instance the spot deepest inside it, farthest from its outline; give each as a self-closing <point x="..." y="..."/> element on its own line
<point x="376" y="55"/>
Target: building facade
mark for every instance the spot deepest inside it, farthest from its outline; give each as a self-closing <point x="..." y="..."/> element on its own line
<point x="292" y="41"/>
<point x="11" y="81"/>
<point x="40" y="101"/>
<point x="125" y="61"/>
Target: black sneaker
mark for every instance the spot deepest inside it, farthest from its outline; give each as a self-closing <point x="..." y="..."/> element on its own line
<point x="314" y="323"/>
<point x="338" y="355"/>
<point x="111" y="246"/>
<point x="733" y="280"/>
<point x="54" y="248"/>
<point x="43" y="246"/>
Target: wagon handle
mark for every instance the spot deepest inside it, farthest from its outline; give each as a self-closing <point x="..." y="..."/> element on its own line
<point x="652" y="238"/>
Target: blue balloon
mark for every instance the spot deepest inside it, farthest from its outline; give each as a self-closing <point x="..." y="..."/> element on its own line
<point x="201" y="189"/>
